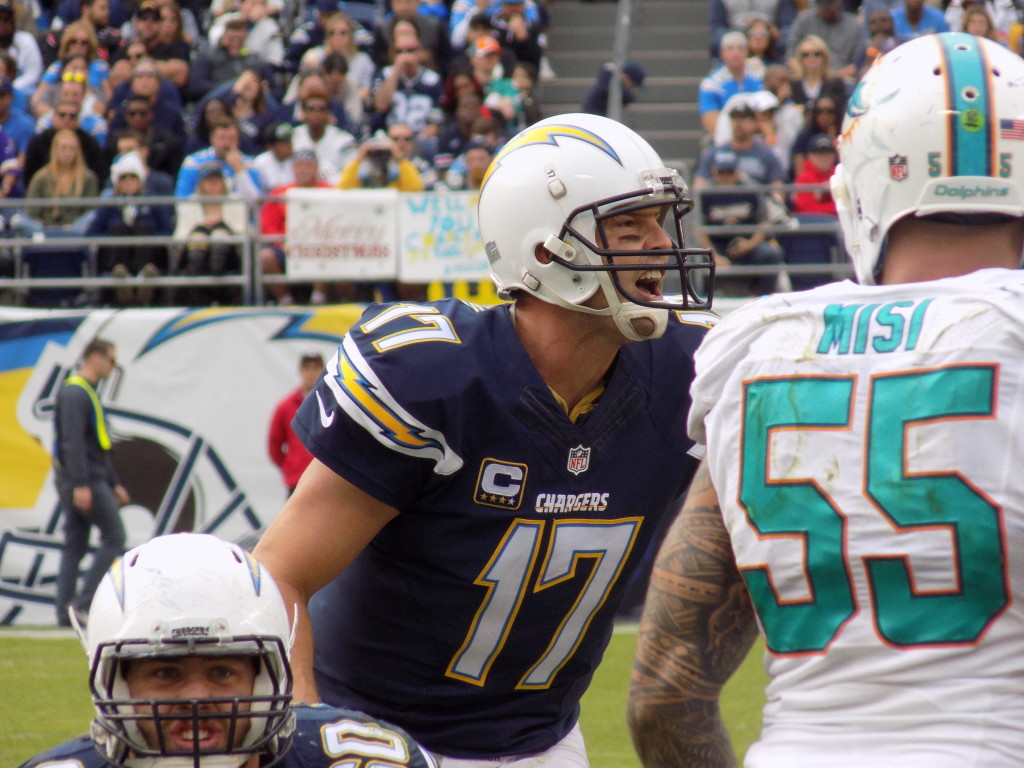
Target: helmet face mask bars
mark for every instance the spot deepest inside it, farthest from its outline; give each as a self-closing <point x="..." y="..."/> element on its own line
<point x="564" y="184"/>
<point x="961" y="161"/>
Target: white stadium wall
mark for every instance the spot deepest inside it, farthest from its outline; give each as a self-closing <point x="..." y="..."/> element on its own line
<point x="189" y="406"/>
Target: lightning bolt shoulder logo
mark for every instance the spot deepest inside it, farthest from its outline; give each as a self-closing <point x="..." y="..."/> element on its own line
<point x="551" y="134"/>
<point x="365" y="399"/>
<point x="325" y="419"/>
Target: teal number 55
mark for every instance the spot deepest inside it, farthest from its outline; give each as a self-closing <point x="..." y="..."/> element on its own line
<point x="904" y="615"/>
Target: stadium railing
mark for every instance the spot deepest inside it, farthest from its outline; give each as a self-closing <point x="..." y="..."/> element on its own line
<point x="251" y="282"/>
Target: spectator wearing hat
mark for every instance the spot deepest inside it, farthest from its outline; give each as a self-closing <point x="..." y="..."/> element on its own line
<point x="14" y="122"/>
<point x="131" y="219"/>
<point x="823" y="115"/>
<point x="283" y="446"/>
<point x="839" y="29"/>
<point x="631" y="77"/>
<point x="22" y="46"/>
<point x="236" y="169"/>
<point x="757" y="162"/>
<point x="274" y="165"/>
<point x="274" y="222"/>
<point x="737" y="207"/>
<point x="736" y="75"/>
<point x="817" y="169"/>
<point x="204" y="226"/>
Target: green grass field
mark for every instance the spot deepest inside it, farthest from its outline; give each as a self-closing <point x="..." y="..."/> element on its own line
<point x="44" y="699"/>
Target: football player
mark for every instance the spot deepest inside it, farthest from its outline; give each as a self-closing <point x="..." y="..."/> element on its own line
<point x="861" y="495"/>
<point x="188" y="641"/>
<point x="486" y="480"/>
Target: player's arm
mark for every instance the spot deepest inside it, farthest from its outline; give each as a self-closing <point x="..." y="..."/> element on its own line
<point x="697" y="626"/>
<point x="323" y="526"/>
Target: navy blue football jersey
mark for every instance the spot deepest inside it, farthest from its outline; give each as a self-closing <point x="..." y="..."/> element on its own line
<point x="324" y="737"/>
<point x="475" y="618"/>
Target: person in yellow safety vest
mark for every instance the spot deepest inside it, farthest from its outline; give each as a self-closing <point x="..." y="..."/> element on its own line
<point x="89" y="490"/>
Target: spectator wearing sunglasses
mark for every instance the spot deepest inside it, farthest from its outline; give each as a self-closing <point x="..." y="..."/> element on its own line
<point x="66" y="115"/>
<point x="77" y="43"/>
<point x="163" y="97"/>
<point x="73" y="89"/>
<point x="165" y="150"/>
<point x="813" y="74"/>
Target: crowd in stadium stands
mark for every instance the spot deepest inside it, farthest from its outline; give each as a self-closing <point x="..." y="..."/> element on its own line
<point x="152" y="97"/>
<point x="244" y="99"/>
<point x="773" y="100"/>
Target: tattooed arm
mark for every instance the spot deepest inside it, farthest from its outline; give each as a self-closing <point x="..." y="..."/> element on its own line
<point x="697" y="626"/>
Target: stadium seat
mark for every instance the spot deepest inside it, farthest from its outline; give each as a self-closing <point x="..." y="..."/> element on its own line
<point x="56" y="260"/>
<point x="811" y="248"/>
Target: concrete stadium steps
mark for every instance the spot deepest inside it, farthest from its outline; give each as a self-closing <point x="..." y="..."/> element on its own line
<point x="670" y="39"/>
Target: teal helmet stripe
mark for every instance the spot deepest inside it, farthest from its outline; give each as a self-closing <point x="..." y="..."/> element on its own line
<point x="972" y="118"/>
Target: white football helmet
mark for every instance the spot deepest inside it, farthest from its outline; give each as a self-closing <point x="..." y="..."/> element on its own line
<point x="935" y="127"/>
<point x="554" y="184"/>
<point x="188" y="594"/>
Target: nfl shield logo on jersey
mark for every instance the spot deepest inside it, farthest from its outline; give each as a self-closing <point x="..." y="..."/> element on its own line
<point x="579" y="459"/>
<point x="898" y="167"/>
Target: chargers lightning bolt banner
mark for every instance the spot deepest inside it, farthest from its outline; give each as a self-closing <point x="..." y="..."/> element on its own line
<point x="189" y="405"/>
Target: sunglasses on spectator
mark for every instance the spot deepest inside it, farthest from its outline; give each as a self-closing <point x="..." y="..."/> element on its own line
<point x="806" y="54"/>
<point x="79" y="41"/>
<point x="407" y="50"/>
<point x="402" y="138"/>
<point x="315" y="108"/>
<point x="149" y="16"/>
<point x="67" y="115"/>
<point x="72" y="77"/>
<point x="136" y="112"/>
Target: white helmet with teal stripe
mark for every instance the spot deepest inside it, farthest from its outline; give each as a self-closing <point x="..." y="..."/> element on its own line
<point x="935" y="127"/>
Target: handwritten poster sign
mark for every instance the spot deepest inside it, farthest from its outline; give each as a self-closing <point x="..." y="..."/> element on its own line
<point x="440" y="238"/>
<point x="342" y="234"/>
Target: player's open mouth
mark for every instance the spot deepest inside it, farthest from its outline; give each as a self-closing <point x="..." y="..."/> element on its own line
<point x="183" y="737"/>
<point x="648" y="285"/>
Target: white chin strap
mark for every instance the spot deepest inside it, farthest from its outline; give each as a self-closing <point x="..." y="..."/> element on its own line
<point x="634" y="321"/>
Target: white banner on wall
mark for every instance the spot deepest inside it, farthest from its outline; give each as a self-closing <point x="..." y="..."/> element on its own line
<point x="420" y="237"/>
<point x="189" y="406"/>
<point x="342" y="234"/>
<point x="440" y="238"/>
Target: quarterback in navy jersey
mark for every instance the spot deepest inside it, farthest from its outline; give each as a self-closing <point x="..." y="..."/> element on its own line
<point x="486" y="480"/>
<point x="188" y="644"/>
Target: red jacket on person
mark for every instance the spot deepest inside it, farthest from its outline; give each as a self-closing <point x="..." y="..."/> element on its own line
<point x="286" y="450"/>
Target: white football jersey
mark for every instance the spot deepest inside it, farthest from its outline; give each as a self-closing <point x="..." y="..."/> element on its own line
<point x="867" y="445"/>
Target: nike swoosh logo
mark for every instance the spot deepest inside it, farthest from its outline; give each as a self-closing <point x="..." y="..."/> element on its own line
<point x="325" y="420"/>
